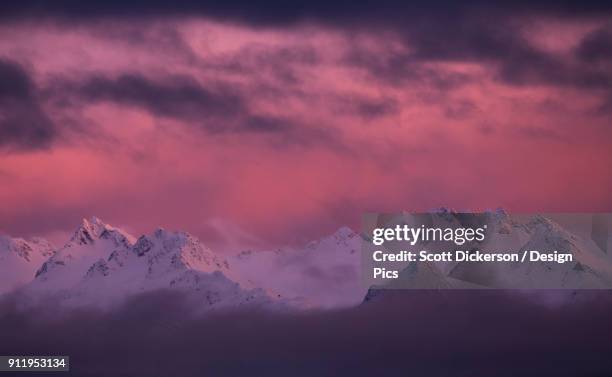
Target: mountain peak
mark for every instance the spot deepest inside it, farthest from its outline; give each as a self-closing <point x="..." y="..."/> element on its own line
<point x="88" y="231"/>
<point x="26" y="249"/>
<point x="93" y="229"/>
<point x="181" y="250"/>
<point x="19" y="260"/>
<point x="344" y="232"/>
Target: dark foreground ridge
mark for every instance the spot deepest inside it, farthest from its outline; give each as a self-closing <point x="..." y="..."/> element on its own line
<point x="432" y="333"/>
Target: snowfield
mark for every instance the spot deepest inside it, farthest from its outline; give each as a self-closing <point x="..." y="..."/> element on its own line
<point x="102" y="265"/>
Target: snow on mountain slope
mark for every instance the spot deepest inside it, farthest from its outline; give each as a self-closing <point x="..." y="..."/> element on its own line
<point x="325" y="273"/>
<point x="102" y="265"/>
<point x="167" y="259"/>
<point x="19" y="260"/>
<point x="591" y="267"/>
<point x="91" y="241"/>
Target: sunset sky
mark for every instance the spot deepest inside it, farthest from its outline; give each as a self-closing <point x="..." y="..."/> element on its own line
<point x="257" y="126"/>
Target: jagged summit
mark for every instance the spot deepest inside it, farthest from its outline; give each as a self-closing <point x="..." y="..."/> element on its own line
<point x="88" y="231"/>
<point x="94" y="229"/>
<point x="344" y="232"/>
<point x="520" y="233"/>
<point x="26" y="249"/>
<point x="341" y="237"/>
<point x="102" y="265"/>
<point x="19" y="260"/>
<point x="180" y="249"/>
<point x="92" y="240"/>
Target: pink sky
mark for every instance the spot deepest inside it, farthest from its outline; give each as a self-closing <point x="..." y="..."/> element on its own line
<point x="248" y="136"/>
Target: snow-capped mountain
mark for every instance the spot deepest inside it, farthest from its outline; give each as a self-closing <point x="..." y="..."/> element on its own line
<point x="591" y="266"/>
<point x="174" y="260"/>
<point x="325" y="273"/>
<point x="102" y="265"/>
<point x="19" y="260"/>
<point x="91" y="241"/>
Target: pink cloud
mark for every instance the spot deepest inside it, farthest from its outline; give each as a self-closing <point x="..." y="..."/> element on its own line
<point x="297" y="154"/>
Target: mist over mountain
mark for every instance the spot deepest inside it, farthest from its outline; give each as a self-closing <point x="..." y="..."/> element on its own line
<point x="239" y="151"/>
<point x="433" y="333"/>
<point x="101" y="265"/>
<point x="19" y="260"/>
<point x="590" y="266"/>
<point x="165" y="304"/>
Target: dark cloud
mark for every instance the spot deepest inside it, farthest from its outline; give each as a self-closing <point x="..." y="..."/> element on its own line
<point x="369" y="108"/>
<point x="175" y="96"/>
<point x="539" y="68"/>
<point x="400" y="69"/>
<point x="476" y="30"/>
<point x="218" y="108"/>
<point x="458" y="333"/>
<point x="265" y="57"/>
<point x="271" y="12"/>
<point x="277" y="65"/>
<point x="266" y="124"/>
<point x="438" y="31"/>
<point x="376" y="108"/>
<point x="152" y="36"/>
<point x="23" y="123"/>
<point x="493" y="39"/>
<point x="597" y="46"/>
<point x="431" y="32"/>
<point x="15" y="81"/>
<point x="477" y="36"/>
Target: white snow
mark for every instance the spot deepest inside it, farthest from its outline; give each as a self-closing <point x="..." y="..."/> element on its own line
<point x="103" y="265"/>
<point x="591" y="268"/>
<point x="324" y="273"/>
<point x="19" y="260"/>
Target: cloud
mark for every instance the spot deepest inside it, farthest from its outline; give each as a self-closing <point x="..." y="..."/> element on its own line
<point x="175" y="96"/>
<point x="218" y="108"/>
<point x="539" y="68"/>
<point x="536" y="133"/>
<point x="438" y="32"/>
<point x="597" y="46"/>
<point x="280" y="62"/>
<point x="358" y="109"/>
<point x="492" y="39"/>
<point x="376" y="108"/>
<point x="469" y="333"/>
<point x="401" y="68"/>
<point x="269" y="12"/>
<point x="24" y="125"/>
